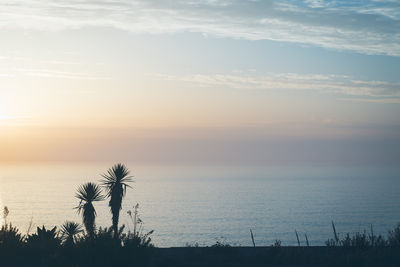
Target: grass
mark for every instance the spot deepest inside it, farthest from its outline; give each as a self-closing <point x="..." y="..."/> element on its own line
<point x="364" y="239"/>
<point x="48" y="247"/>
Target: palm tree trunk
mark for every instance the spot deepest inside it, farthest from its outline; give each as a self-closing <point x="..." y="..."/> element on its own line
<point x="115" y="219"/>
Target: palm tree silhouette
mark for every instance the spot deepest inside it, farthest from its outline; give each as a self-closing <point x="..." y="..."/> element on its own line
<point x="115" y="182"/>
<point x="69" y="231"/>
<point x="87" y="194"/>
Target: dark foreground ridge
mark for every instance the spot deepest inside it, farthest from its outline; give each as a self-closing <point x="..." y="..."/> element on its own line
<point x="276" y="256"/>
<point x="205" y="256"/>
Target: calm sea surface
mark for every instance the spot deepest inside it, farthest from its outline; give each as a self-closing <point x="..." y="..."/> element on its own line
<point x="199" y="204"/>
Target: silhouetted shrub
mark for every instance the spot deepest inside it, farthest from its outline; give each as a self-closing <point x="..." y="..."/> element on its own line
<point x="10" y="236"/>
<point x="70" y="232"/>
<point x="277" y="243"/>
<point x="221" y="243"/>
<point x="364" y="240"/>
<point x="394" y="237"/>
<point x="137" y="241"/>
<point x="44" y="239"/>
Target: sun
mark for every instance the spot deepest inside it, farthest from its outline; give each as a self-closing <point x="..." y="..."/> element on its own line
<point x="3" y="111"/>
<point x="6" y="118"/>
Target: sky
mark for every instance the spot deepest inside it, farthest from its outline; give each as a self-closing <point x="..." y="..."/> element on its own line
<point x="200" y="81"/>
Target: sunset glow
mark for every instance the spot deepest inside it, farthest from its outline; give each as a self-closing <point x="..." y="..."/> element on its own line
<point x="199" y="133"/>
<point x="101" y="70"/>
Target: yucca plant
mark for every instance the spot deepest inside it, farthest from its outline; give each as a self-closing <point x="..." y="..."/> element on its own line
<point x="10" y="236"/>
<point x="103" y="239"/>
<point x="87" y="194"/>
<point x="43" y="238"/>
<point x="115" y="182"/>
<point x="69" y="232"/>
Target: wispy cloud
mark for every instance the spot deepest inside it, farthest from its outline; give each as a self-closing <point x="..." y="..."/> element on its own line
<point x="12" y="66"/>
<point x="375" y="100"/>
<point x="14" y="120"/>
<point x="369" y="91"/>
<point x="60" y="74"/>
<point x="370" y="27"/>
<point x="3" y="117"/>
<point x="6" y="75"/>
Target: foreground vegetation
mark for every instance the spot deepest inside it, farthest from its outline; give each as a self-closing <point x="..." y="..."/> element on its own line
<point x="82" y="245"/>
<point x="75" y="244"/>
<point x="49" y="247"/>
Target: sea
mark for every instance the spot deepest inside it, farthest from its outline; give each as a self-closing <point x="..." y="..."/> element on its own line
<point x="189" y="205"/>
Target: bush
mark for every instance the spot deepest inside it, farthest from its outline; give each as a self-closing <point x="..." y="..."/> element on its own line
<point x="394" y="237"/>
<point x="131" y="240"/>
<point x="10" y="236"/>
<point x="44" y="239"/>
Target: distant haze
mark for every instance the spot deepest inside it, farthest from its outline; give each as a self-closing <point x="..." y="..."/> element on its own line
<point x="198" y="146"/>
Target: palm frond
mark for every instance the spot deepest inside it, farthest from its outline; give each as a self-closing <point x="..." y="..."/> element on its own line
<point x="117" y="175"/>
<point x="70" y="229"/>
<point x="89" y="192"/>
<point x="115" y="183"/>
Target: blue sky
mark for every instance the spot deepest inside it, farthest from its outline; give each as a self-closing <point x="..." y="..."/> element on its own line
<point x="369" y="27"/>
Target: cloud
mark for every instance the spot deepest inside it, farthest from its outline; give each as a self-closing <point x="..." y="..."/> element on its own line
<point x="382" y="100"/>
<point x="17" y="66"/>
<point x="372" y="27"/>
<point x="60" y="74"/>
<point x="3" y="117"/>
<point x="6" y="75"/>
<point x="369" y="91"/>
<point x="6" y="120"/>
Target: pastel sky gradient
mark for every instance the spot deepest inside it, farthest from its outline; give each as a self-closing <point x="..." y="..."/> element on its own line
<point x="214" y="81"/>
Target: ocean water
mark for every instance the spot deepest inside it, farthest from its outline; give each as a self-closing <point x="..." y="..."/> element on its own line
<point x="203" y="204"/>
